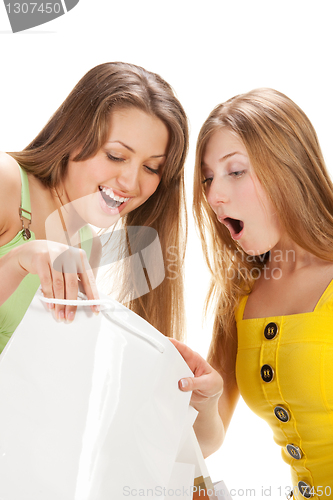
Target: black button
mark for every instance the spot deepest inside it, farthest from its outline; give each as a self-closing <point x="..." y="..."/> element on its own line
<point x="271" y="331"/>
<point x="294" y="451"/>
<point x="304" y="489"/>
<point x="281" y="414"/>
<point x="267" y="373"/>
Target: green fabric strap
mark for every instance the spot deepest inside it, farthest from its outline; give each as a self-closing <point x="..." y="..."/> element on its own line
<point x="25" y="195"/>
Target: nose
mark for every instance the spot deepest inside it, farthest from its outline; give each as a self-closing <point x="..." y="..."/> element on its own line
<point x="128" y="178"/>
<point x="217" y="193"/>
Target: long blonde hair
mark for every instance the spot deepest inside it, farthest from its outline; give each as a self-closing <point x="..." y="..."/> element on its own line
<point x="284" y="151"/>
<point x="82" y="124"/>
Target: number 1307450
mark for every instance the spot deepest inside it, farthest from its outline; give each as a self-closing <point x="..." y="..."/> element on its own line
<point x="34" y="7"/>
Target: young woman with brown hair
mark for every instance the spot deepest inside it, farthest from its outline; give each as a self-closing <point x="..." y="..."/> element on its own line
<point x="118" y="142"/>
<point x="263" y="202"/>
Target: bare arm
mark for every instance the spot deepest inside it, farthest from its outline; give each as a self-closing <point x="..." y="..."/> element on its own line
<point x="38" y="257"/>
<point x="225" y="363"/>
<point x="11" y="274"/>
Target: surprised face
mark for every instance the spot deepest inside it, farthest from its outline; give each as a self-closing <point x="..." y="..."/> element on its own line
<point x="236" y="196"/>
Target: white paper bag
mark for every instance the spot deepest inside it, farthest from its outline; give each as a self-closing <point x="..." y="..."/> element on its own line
<point x="88" y="410"/>
<point x="91" y="410"/>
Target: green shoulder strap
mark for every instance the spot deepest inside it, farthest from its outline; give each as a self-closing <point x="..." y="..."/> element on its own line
<point x="25" y="195"/>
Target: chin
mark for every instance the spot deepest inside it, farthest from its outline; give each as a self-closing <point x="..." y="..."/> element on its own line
<point x="262" y="250"/>
<point x="254" y="253"/>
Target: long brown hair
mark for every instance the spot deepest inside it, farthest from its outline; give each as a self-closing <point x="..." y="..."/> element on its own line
<point x="284" y="151"/>
<point x="82" y="124"/>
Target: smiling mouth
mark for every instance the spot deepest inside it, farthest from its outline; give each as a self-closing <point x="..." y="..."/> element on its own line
<point x="235" y="226"/>
<point x="112" y="200"/>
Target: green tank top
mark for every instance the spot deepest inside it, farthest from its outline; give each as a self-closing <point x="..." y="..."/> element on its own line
<point x="13" y="310"/>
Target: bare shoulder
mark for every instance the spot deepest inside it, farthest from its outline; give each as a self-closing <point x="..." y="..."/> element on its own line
<point x="9" y="169"/>
<point x="10" y="193"/>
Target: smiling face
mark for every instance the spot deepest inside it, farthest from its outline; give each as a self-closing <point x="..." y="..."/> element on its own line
<point x="124" y="173"/>
<point x="235" y="194"/>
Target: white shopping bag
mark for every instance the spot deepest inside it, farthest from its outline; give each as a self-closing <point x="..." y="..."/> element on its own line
<point x="91" y="410"/>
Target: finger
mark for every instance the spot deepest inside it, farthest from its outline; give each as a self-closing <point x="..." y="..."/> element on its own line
<point x="45" y="277"/>
<point x="206" y="386"/>
<point x="88" y="280"/>
<point x="58" y="293"/>
<point x="185" y="384"/>
<point x="69" y="268"/>
<point x="183" y="349"/>
<point x="71" y="291"/>
<point x="193" y="384"/>
<point x="196" y="363"/>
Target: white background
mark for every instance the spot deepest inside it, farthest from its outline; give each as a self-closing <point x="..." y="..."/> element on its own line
<point x="208" y="51"/>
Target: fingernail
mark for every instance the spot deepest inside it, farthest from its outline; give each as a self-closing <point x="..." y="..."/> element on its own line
<point x="70" y="316"/>
<point x="184" y="383"/>
<point x="50" y="305"/>
<point x="96" y="310"/>
<point x="61" y="315"/>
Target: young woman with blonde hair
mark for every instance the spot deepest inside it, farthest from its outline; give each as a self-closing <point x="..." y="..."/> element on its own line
<point x="263" y="202"/>
<point x="118" y="142"/>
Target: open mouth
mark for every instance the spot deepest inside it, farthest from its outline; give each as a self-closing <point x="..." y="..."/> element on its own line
<point x="112" y="200"/>
<point x="235" y="226"/>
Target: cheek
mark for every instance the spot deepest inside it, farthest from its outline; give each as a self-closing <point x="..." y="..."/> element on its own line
<point x="248" y="197"/>
<point x="151" y="186"/>
<point x="256" y="198"/>
<point x="209" y="196"/>
<point x="83" y="173"/>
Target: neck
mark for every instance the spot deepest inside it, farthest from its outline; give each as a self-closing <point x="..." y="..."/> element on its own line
<point x="289" y="256"/>
<point x="68" y="220"/>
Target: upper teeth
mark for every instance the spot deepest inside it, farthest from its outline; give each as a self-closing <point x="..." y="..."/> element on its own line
<point x="111" y="194"/>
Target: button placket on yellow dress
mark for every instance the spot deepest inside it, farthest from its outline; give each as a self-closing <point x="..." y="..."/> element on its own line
<point x="296" y="387"/>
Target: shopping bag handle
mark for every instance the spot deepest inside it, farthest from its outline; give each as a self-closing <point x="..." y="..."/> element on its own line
<point x="82" y="301"/>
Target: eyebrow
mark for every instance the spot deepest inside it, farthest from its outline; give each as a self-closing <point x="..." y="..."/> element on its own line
<point x="132" y="150"/>
<point x="225" y="157"/>
<point x="231" y="154"/>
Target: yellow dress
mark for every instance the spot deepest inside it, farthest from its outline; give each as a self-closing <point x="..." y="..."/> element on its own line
<point x="284" y="372"/>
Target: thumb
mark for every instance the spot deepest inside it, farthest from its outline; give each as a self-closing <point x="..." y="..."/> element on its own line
<point x="187" y="384"/>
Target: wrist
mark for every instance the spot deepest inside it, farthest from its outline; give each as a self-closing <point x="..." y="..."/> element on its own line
<point x="210" y="431"/>
<point x="208" y="405"/>
<point x="16" y="260"/>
